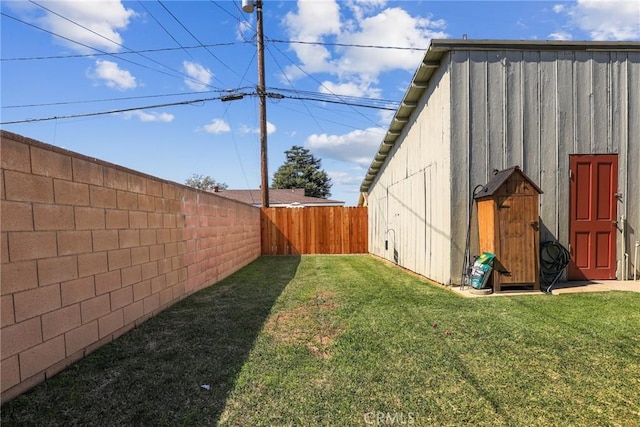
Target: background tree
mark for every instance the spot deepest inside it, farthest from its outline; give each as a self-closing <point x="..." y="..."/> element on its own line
<point x="302" y="170"/>
<point x="202" y="182"/>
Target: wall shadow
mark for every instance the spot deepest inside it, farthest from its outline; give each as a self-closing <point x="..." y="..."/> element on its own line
<point x="177" y="368"/>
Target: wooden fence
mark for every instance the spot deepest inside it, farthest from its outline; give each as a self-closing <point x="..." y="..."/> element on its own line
<point x="314" y="230"/>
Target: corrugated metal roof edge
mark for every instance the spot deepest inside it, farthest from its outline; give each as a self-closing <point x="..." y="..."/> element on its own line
<point x="437" y="49"/>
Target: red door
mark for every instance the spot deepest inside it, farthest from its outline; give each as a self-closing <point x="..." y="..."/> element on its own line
<point x="593" y="215"/>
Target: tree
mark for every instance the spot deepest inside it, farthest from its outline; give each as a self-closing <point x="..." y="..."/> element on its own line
<point x="202" y="182"/>
<point x="302" y="170"/>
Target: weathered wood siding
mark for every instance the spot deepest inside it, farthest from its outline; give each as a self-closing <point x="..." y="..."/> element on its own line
<point x="493" y="109"/>
<point x="534" y="109"/>
<point x="409" y="202"/>
<point x="314" y="230"/>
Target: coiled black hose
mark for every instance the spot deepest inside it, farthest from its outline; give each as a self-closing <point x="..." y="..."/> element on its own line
<point x="554" y="258"/>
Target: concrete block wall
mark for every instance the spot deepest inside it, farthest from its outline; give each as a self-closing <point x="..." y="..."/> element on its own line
<point x="89" y="250"/>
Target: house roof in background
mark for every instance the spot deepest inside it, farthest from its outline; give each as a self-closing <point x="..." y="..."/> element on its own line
<point x="278" y="197"/>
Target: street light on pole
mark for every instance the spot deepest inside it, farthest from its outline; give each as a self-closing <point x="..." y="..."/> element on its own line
<point x="247" y="6"/>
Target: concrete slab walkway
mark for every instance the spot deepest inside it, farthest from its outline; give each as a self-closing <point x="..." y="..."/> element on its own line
<point x="560" y="288"/>
<point x="596" y="286"/>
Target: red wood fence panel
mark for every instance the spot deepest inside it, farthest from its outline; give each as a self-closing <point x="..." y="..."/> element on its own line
<point x="314" y="230"/>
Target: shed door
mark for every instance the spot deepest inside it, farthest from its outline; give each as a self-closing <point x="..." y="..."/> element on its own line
<point x="593" y="212"/>
<point x="518" y="216"/>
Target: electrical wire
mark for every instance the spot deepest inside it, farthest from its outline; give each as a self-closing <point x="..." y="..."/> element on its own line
<point x="116" y="54"/>
<point x="291" y="84"/>
<point x="323" y="86"/>
<point x="195" y="101"/>
<point x="224" y="64"/>
<point x="165" y="30"/>
<point x="126" y="98"/>
<point x="85" y="45"/>
<point x="119" y="44"/>
<point x="384" y="102"/>
<point x="348" y="45"/>
<point x="340" y="102"/>
<point x="102" y="113"/>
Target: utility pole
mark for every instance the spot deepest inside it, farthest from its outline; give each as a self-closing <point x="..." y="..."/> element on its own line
<point x="247" y="6"/>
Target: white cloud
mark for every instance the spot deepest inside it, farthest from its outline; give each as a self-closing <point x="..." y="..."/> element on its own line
<point x="315" y="18"/>
<point x="217" y="126"/>
<point x="362" y="89"/>
<point x="357" y="146"/>
<point x="245" y="29"/>
<point x="200" y="76"/>
<point x="112" y="76"/>
<point x="606" y="19"/>
<point x="560" y="35"/>
<point x="103" y="21"/>
<point x="558" y="8"/>
<point x="391" y="27"/>
<point x="357" y="69"/>
<point x="344" y="178"/>
<point x="152" y="116"/>
<point x="271" y="128"/>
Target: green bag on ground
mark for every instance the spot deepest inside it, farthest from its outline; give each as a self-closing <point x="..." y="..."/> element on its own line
<point x="481" y="270"/>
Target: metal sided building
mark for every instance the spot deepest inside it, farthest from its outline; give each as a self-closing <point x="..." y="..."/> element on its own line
<point x="567" y="113"/>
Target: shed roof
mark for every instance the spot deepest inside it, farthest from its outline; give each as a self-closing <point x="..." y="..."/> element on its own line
<point x="499" y="179"/>
<point x="431" y="62"/>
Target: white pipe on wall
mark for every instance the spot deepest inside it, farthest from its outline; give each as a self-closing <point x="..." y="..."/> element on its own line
<point x="623" y="253"/>
<point x="635" y="260"/>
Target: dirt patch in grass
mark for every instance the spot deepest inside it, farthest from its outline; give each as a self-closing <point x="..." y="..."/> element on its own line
<point x="312" y="324"/>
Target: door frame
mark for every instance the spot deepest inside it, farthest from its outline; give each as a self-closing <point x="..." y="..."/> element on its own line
<point x="574" y="272"/>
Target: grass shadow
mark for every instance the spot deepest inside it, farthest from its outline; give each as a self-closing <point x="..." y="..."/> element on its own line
<point x="177" y="368"/>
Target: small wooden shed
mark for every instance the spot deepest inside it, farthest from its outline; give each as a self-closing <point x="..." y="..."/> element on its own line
<point x="508" y="225"/>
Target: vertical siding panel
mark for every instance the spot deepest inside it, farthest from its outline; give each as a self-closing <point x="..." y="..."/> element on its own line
<point x="619" y="105"/>
<point x="421" y="223"/>
<point x="601" y="102"/>
<point x="531" y="115"/>
<point x="478" y="150"/>
<point x="566" y="86"/>
<point x="632" y="192"/>
<point x="496" y="104"/>
<point x="428" y="206"/>
<point x="548" y="140"/>
<point x="583" y="92"/>
<point x="459" y="173"/>
<point x="479" y="101"/>
<point x="514" y="134"/>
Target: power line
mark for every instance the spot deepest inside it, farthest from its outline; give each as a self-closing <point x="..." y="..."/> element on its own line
<point x="128" y="98"/>
<point x="291" y="84"/>
<point x="102" y="113"/>
<point x="166" y="31"/>
<point x="118" y="44"/>
<point x="351" y="104"/>
<point x="322" y="85"/>
<point x="83" y="44"/>
<point x="115" y="54"/>
<point x="349" y="45"/>
<point x="385" y="102"/>
<point x="194" y="101"/>
<point x="195" y="38"/>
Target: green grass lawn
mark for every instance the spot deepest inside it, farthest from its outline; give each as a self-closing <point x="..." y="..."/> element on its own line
<point x="349" y="340"/>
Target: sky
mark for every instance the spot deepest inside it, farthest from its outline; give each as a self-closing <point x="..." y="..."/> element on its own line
<point x="143" y="84"/>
